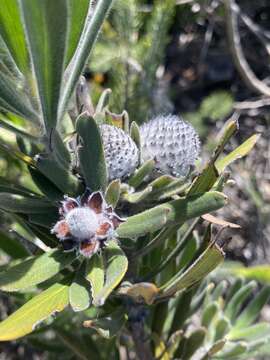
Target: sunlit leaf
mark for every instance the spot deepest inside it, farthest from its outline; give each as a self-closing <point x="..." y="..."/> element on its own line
<point x="24" y="320"/>
<point x="95" y="274"/>
<point x="79" y="293"/>
<point x="116" y="265"/>
<point x="46" y="27"/>
<point x="206" y="263"/>
<point x="34" y="270"/>
<point x="176" y="211"/>
<point x="11" y="30"/>
<point x="238" y="153"/>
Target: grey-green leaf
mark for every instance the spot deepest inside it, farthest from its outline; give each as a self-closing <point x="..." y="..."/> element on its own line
<point x="46" y="27"/>
<point x="23" y="204"/>
<point x="206" y="263"/>
<point x="116" y="265"/>
<point x="95" y="274"/>
<point x="34" y="270"/>
<point x="91" y="154"/>
<point x="78" y="13"/>
<point x="174" y="212"/>
<point x="79" y="293"/>
<point x="11" y="30"/>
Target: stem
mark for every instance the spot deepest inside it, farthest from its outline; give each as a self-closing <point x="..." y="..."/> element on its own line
<point x="142" y="349"/>
<point x="82" y="53"/>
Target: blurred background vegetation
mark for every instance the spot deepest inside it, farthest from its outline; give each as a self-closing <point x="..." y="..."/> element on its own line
<point x="175" y="56"/>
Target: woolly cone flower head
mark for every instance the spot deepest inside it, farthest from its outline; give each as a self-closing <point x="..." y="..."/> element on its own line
<point x="121" y="153"/>
<point x="172" y="143"/>
<point x="86" y="223"/>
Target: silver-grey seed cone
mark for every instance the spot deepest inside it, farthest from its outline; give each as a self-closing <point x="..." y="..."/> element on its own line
<point x="121" y="152"/>
<point x="172" y="143"/>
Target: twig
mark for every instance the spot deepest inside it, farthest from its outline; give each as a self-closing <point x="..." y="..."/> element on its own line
<point x="237" y="52"/>
<point x="252" y="105"/>
<point x="262" y="35"/>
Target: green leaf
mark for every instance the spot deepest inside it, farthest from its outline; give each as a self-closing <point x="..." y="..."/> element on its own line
<point x="232" y="350"/>
<point x="209" y="175"/>
<point x="93" y="25"/>
<point x="103" y="101"/>
<point x="24" y="320"/>
<point x="174" y="212"/>
<point x="250" y="333"/>
<point x="108" y="326"/>
<point x="252" y="310"/>
<point x="194" y="342"/>
<point x="17" y="130"/>
<point x="238" y="153"/>
<point x="112" y="194"/>
<point x="79" y="295"/>
<point x="46" y="26"/>
<point x="12" y="247"/>
<point x="23" y="204"/>
<point x="116" y="265"/>
<point x="91" y="154"/>
<point x="140" y="174"/>
<point x="139" y="196"/>
<point x="12" y="32"/>
<point x="205" y="180"/>
<point x="258" y="272"/>
<point x="58" y="175"/>
<point x="77" y="18"/>
<point x="235" y="303"/>
<point x="222" y="327"/>
<point x="135" y="134"/>
<point x="206" y="263"/>
<point x="95" y="274"/>
<point x="46" y="221"/>
<point x="34" y="270"/>
<point x="8" y="187"/>
<point x="45" y="185"/>
<point x="209" y="313"/>
<point x="14" y="100"/>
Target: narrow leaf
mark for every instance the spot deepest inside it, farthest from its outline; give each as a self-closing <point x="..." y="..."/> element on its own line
<point x="77" y="18"/>
<point x="46" y="26"/>
<point x="206" y="263"/>
<point x="34" y="270"/>
<point x="12" y="32"/>
<point x="174" y="212"/>
<point x="90" y="33"/>
<point x="238" y="153"/>
<point x="142" y="173"/>
<point x="23" y="204"/>
<point x="12" y="247"/>
<point x="24" y="320"/>
<point x="14" y="100"/>
<point x="252" y="310"/>
<point x="91" y="154"/>
<point x="233" y="306"/>
<point x="58" y="175"/>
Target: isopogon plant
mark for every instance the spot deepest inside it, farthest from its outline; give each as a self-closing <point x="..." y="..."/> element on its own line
<point x="110" y="207"/>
